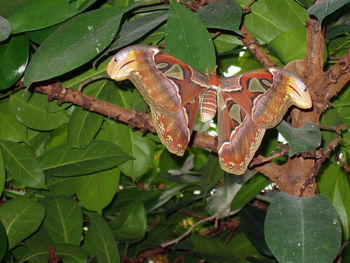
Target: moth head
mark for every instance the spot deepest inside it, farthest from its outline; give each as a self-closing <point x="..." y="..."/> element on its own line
<point x="296" y="90"/>
<point x="122" y="64"/>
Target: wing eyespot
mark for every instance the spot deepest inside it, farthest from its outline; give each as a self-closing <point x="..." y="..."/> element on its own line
<point x="115" y="59"/>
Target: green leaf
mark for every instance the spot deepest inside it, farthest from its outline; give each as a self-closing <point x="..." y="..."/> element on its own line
<point x="187" y="38"/>
<point x="7" y="7"/>
<point x="164" y="197"/>
<point x="283" y="46"/>
<point x="21" y="218"/>
<point x="3" y="241"/>
<point x="211" y="173"/>
<point x="249" y="190"/>
<point x="96" y="191"/>
<point x="303" y="139"/>
<point x="334" y="184"/>
<point x="270" y="18"/>
<point x="102" y="239"/>
<point x="41" y="13"/>
<point x="97" y="156"/>
<point x="13" y="60"/>
<point x="252" y="222"/>
<point x="222" y="14"/>
<point x="10" y="129"/>
<point x="67" y="253"/>
<point x="223" y="195"/>
<point x="83" y="124"/>
<point x="64" y="220"/>
<point x="306" y="3"/>
<point x="133" y="143"/>
<point x="137" y="28"/>
<point x="2" y="176"/>
<point x="21" y="165"/>
<point x="326" y="7"/>
<point x="130" y="226"/>
<point x="74" y="43"/>
<point x="33" y="110"/>
<point x="5" y="28"/>
<point x="302" y="229"/>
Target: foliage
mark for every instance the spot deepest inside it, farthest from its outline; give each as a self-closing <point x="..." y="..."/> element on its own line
<point x="78" y="186"/>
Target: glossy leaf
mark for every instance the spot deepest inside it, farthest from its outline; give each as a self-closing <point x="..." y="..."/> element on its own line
<point x="223" y="195"/>
<point x="326" y="7"/>
<point x="270" y="18"/>
<point x="283" y="46"/>
<point x="21" y="165"/>
<point x="96" y="191"/>
<point x="249" y="190"/>
<point x="33" y="110"/>
<point x="333" y="183"/>
<point x="137" y="28"/>
<point x="3" y="241"/>
<point x="7" y="7"/>
<point x="65" y="252"/>
<point x="5" y="28"/>
<point x="21" y="218"/>
<point x="74" y="43"/>
<point x="195" y="46"/>
<point x="97" y="156"/>
<point x="102" y="239"/>
<point x="303" y="139"/>
<point x="63" y="220"/>
<point x="13" y="60"/>
<point x="10" y="129"/>
<point x="302" y="229"/>
<point x="211" y="173"/>
<point x="252" y="223"/>
<point x="222" y="14"/>
<point x="164" y="197"/>
<point x="83" y="124"/>
<point x="2" y="175"/>
<point x="41" y="13"/>
<point x="130" y="226"/>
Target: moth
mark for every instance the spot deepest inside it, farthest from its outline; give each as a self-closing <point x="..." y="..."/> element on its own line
<point x="247" y="104"/>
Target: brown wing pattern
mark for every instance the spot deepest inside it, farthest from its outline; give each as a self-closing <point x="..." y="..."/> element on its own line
<point x="248" y="103"/>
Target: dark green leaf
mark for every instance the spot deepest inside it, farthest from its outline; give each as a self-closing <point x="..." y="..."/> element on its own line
<point x="38" y="36"/>
<point x="302" y="229"/>
<point x="133" y="143"/>
<point x="97" y="156"/>
<point x="337" y="30"/>
<point x="283" y="46"/>
<point x="326" y="7"/>
<point x="270" y="18"/>
<point x="2" y="174"/>
<point x="223" y="195"/>
<point x="63" y="220"/>
<point x="187" y="38"/>
<point x="33" y="110"/>
<point x="3" y="241"/>
<point x="13" y="60"/>
<point x="306" y="3"/>
<point x="137" y="28"/>
<point x="211" y="173"/>
<point x="130" y="226"/>
<point x="303" y="139"/>
<point x="7" y="7"/>
<point x="164" y="197"/>
<point x="252" y="222"/>
<point x="41" y="13"/>
<point x="83" y="124"/>
<point x="102" y="239"/>
<point x="21" y="165"/>
<point x="249" y="190"/>
<point x="74" y="43"/>
<point x="334" y="184"/>
<point x="10" y="129"/>
<point x="21" y="218"/>
<point x="5" y="28"/>
<point x="222" y="14"/>
<point x="96" y="191"/>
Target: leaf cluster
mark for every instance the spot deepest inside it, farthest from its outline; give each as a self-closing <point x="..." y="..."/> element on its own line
<point x="78" y="186"/>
